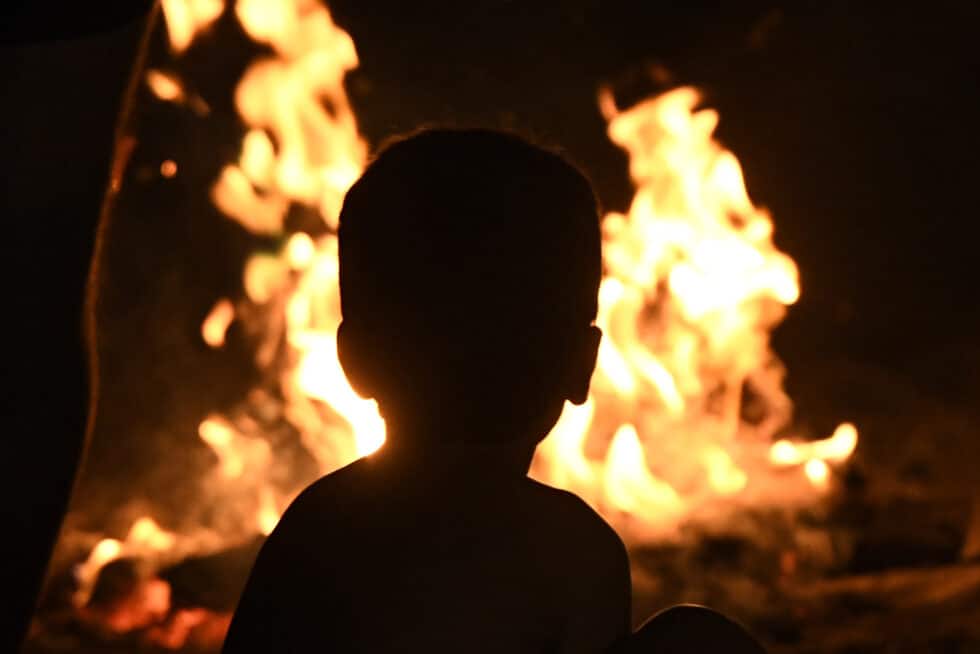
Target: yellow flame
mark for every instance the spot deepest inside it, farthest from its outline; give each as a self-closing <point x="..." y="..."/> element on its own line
<point x="320" y="153"/>
<point x="693" y="284"/>
<point x="817" y="471"/>
<point x="561" y="458"/>
<point x="301" y="146"/>
<point x="215" y="326"/>
<point x="723" y="475"/>
<point x="300" y="251"/>
<point x="320" y="376"/>
<point x="186" y="18"/>
<point x="145" y="538"/>
<point x="258" y="158"/>
<point x="629" y="484"/>
<point x="237" y="198"/>
<point x="221" y="438"/>
<point x="164" y="85"/>
<point x="105" y="551"/>
<point x="269" y="512"/>
<point x="146" y="534"/>
<point x="838" y="447"/>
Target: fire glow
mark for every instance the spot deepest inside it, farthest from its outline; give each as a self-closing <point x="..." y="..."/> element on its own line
<point x="687" y="416"/>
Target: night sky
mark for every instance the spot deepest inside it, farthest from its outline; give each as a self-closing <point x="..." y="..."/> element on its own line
<point x="855" y="125"/>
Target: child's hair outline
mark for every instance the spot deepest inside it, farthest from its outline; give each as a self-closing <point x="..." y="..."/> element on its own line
<point x="469" y="271"/>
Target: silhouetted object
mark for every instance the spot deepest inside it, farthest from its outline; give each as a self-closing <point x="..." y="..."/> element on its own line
<point x="65" y="96"/>
<point x="469" y="271"/>
<point x="690" y="629"/>
<point x="469" y="274"/>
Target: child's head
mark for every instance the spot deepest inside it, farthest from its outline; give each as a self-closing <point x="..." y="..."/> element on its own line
<point x="469" y="271"/>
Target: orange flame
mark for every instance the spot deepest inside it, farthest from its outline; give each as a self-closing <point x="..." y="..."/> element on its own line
<point x="215" y="326"/>
<point x="693" y="285"/>
<point x="186" y="18"/>
<point x="145" y="539"/>
<point x="837" y="448"/>
<point x="164" y="86"/>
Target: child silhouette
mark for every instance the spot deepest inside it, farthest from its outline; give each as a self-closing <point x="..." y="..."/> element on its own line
<point x="469" y="270"/>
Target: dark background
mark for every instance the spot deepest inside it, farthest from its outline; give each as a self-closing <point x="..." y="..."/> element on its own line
<point x="854" y="123"/>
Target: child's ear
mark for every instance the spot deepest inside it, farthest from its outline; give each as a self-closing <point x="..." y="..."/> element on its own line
<point x="582" y="365"/>
<point x="353" y="354"/>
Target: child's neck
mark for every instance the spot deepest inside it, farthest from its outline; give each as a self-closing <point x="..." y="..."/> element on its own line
<point x="438" y="453"/>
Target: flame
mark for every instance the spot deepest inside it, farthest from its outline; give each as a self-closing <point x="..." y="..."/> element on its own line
<point x="220" y="436"/>
<point x="838" y="447"/>
<point x="817" y="471"/>
<point x="186" y="18"/>
<point x="301" y="147"/>
<point x="168" y="87"/>
<point x="320" y="153"/>
<point x="300" y="251"/>
<point x="215" y="326"/>
<point x="724" y="475"/>
<point x="165" y="86"/>
<point x="268" y="511"/>
<point x="105" y="551"/>
<point x="693" y="285"/>
<point x="145" y="539"/>
<point x="628" y="483"/>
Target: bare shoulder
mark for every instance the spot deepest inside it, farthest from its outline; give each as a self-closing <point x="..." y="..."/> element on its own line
<point x="321" y="501"/>
<point x="598" y="598"/>
<point x="576" y="519"/>
<point x="343" y="481"/>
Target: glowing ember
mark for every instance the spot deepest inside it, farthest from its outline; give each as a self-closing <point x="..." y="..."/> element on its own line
<point x="145" y="604"/>
<point x="168" y="168"/>
<point x="200" y="629"/>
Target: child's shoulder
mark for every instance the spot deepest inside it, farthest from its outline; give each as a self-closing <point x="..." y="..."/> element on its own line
<point x="569" y="504"/>
<point x="579" y="539"/>
<point x="331" y="493"/>
<point x="575" y="518"/>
